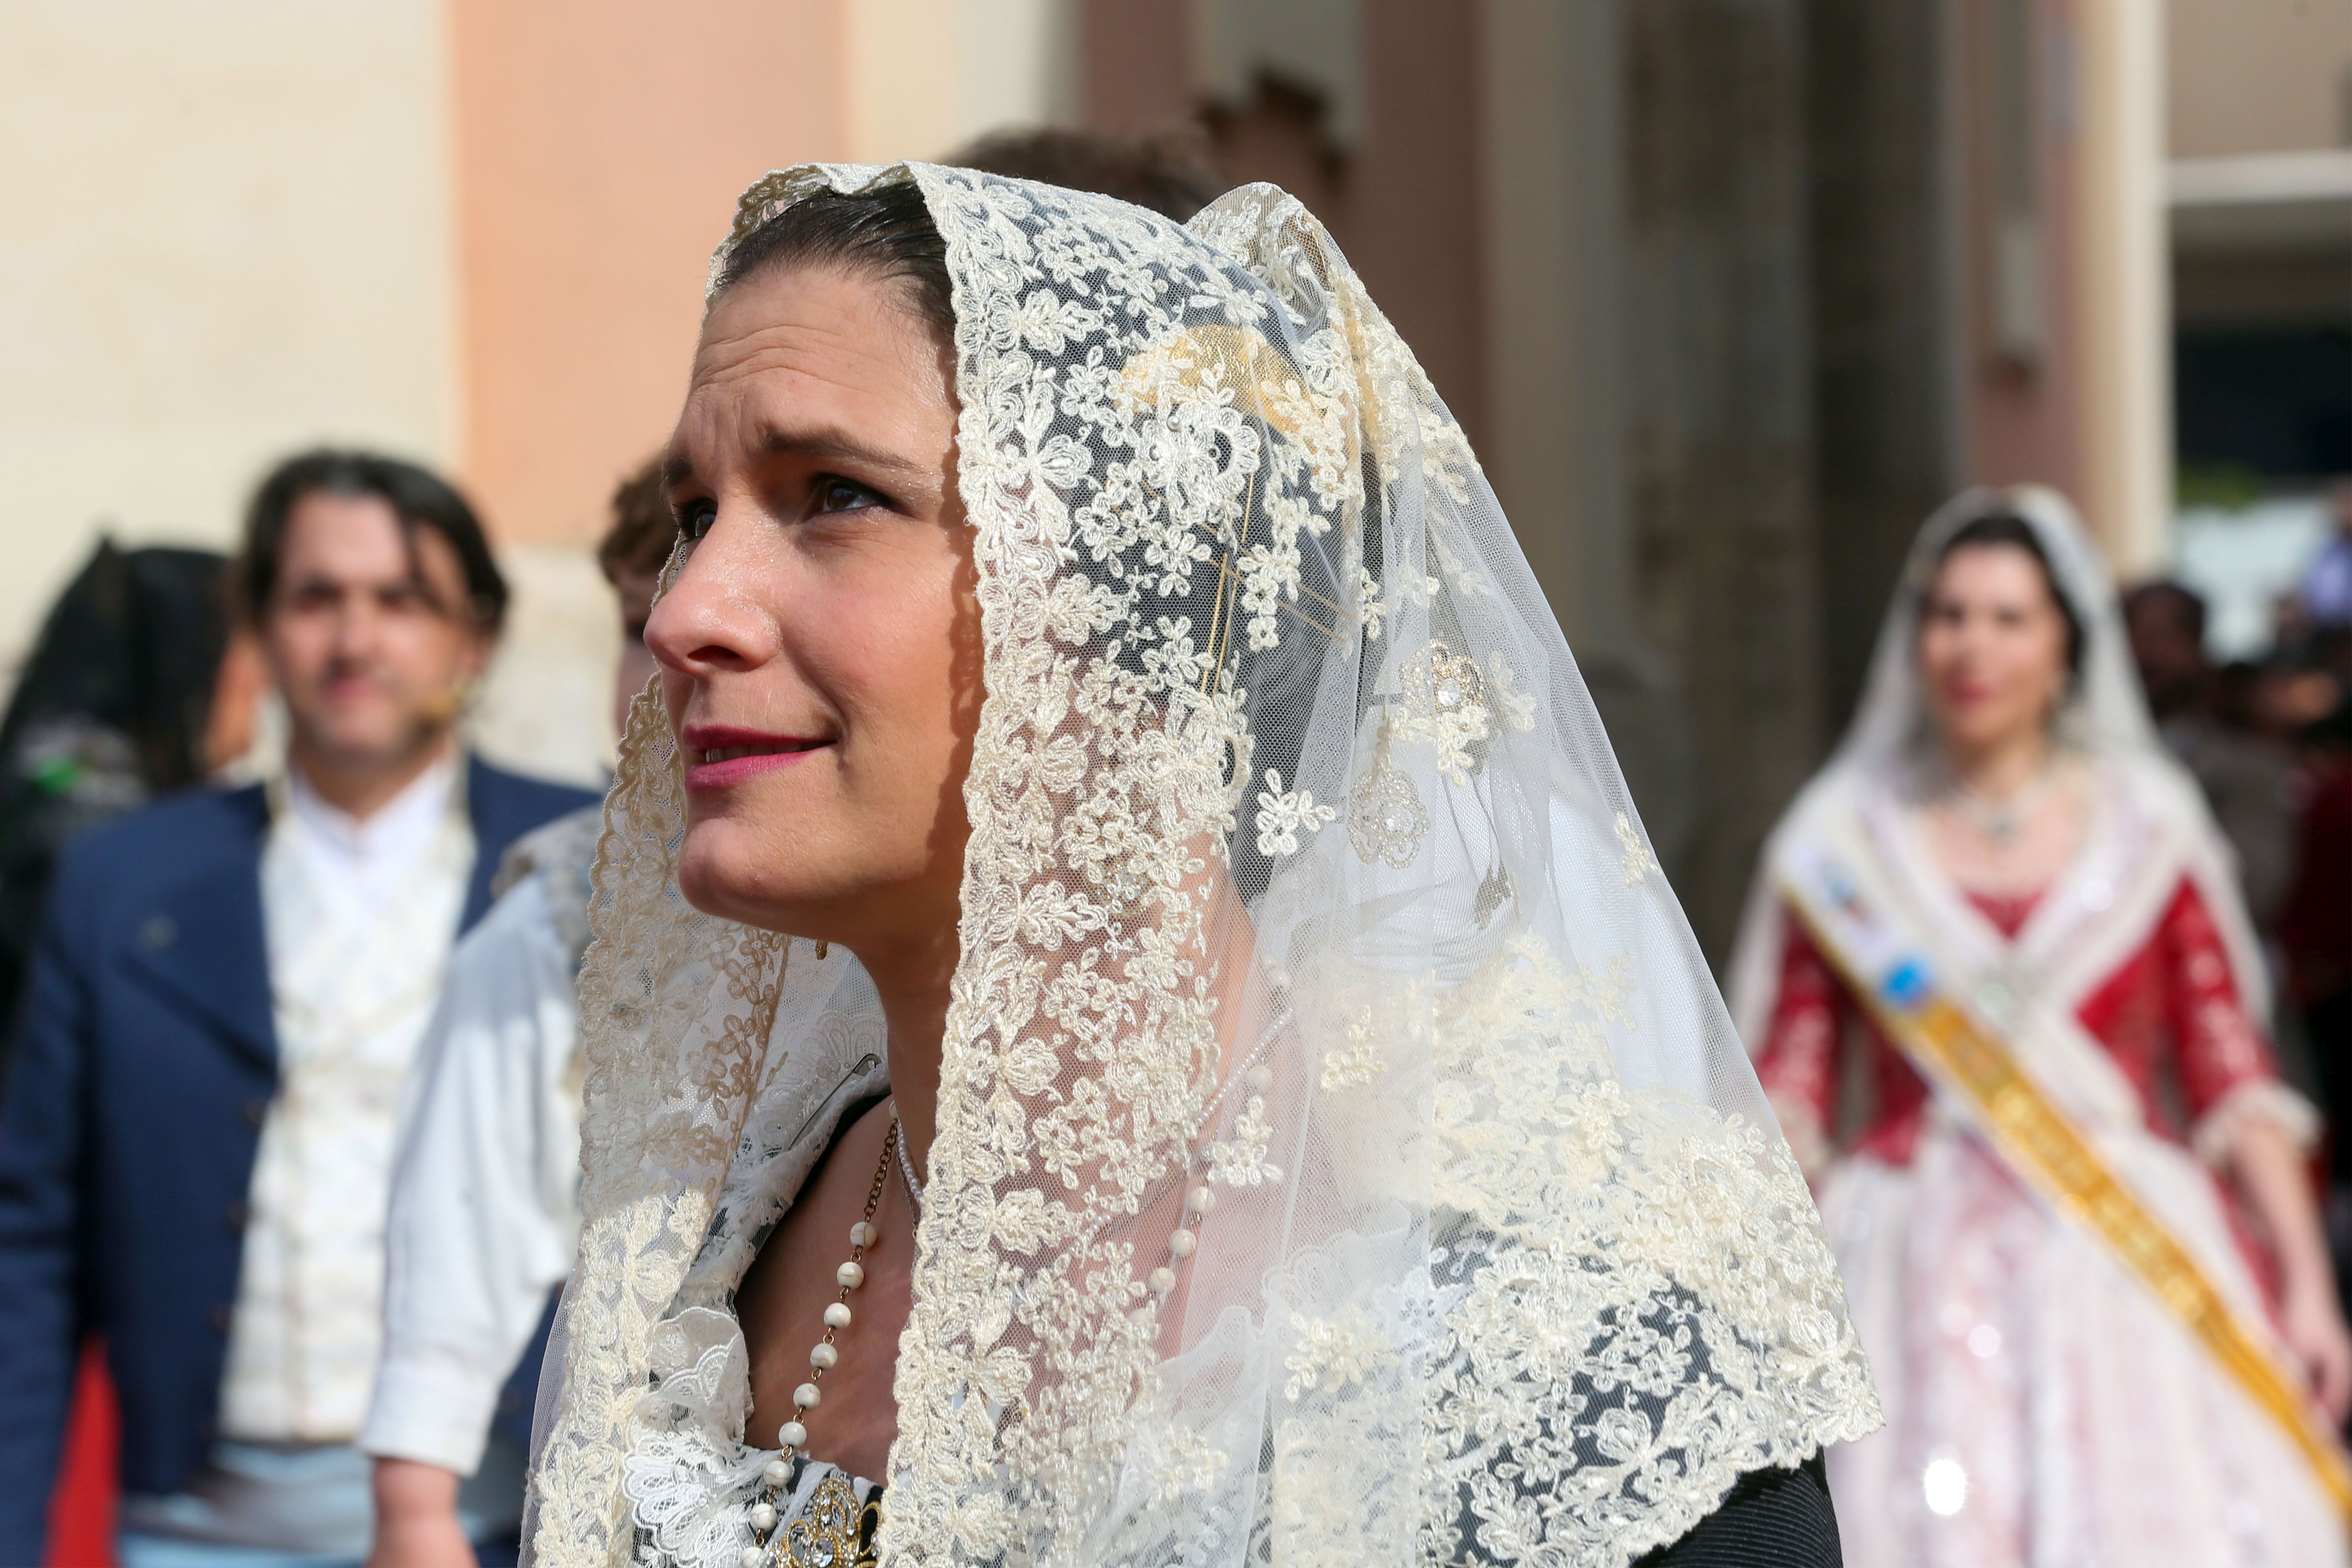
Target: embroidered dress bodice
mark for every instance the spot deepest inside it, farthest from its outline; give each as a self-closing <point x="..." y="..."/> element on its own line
<point x="2169" y="1015"/>
<point x="826" y="1517"/>
<point x="360" y="919"/>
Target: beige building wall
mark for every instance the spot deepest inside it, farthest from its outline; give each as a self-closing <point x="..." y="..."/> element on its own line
<point x="2257" y="76"/>
<point x="599" y="149"/>
<point x="600" y="145"/>
<point x="227" y="233"/>
<point x="922" y="77"/>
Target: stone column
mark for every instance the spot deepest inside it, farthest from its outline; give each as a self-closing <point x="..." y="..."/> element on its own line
<point x="1553" y="134"/>
<point x="1885" y="321"/>
<point x="1719" y="408"/>
<point x="2121" y="281"/>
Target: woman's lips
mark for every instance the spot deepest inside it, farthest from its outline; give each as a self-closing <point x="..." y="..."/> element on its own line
<point x="717" y="755"/>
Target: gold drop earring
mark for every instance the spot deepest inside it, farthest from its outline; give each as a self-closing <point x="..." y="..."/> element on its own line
<point x="823" y="947"/>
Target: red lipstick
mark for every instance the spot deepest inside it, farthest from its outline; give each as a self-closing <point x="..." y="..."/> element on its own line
<point x="717" y="755"/>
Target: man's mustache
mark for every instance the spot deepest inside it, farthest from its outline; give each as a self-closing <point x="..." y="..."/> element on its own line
<point x="369" y="671"/>
<point x="442" y="706"/>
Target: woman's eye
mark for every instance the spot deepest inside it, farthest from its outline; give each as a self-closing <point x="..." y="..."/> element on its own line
<point x="833" y="494"/>
<point x="695" y="519"/>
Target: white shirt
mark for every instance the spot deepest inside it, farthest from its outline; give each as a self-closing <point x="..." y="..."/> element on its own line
<point x="485" y="1204"/>
<point x="360" y="918"/>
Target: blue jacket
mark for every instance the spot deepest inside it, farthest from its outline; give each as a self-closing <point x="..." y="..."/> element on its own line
<point x="145" y="1063"/>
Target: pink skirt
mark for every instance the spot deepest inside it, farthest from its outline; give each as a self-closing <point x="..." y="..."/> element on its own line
<point x="2043" y="1410"/>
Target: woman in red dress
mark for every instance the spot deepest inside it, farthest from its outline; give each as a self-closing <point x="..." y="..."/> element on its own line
<point x="2001" y="833"/>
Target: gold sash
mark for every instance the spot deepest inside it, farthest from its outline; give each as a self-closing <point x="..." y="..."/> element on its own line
<point x="2035" y="1137"/>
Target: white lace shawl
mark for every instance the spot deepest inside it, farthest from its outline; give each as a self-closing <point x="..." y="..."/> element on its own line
<point x="1300" y="871"/>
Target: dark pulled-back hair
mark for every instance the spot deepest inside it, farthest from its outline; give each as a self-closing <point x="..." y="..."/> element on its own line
<point x="885" y="232"/>
<point x="1168" y="173"/>
<point x="2006" y="530"/>
<point x="419" y="498"/>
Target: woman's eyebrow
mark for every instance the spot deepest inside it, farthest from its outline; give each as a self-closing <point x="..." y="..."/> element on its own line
<point x="834" y="446"/>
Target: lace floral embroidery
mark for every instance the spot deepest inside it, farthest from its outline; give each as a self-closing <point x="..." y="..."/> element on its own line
<point x="675" y="1010"/>
<point x="1357" y="1063"/>
<point x="1331" y="1355"/>
<point x="1386" y="821"/>
<point x="1283" y="815"/>
<point x="1240" y="1160"/>
<point x="1694" y="1353"/>
<point x="1638" y="862"/>
<point x="1444" y="708"/>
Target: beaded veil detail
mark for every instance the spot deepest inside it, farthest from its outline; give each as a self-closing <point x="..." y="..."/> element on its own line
<point x="1342" y="1156"/>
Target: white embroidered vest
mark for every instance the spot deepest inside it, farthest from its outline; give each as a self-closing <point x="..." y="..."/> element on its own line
<point x="359" y="940"/>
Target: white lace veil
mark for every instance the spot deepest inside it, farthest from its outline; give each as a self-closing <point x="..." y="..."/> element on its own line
<point x="1301" y="878"/>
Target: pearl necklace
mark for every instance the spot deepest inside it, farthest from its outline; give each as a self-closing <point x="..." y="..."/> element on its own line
<point x="792" y="1437"/>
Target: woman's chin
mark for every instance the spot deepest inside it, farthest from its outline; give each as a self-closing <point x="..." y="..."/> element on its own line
<point x="721" y="872"/>
<point x="734" y="877"/>
<point x="1982" y="740"/>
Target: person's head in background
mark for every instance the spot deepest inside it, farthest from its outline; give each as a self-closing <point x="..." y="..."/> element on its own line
<point x="2167" y="623"/>
<point x="375" y="602"/>
<point x="1169" y="174"/>
<point x="127" y="679"/>
<point x="631" y="555"/>
<point x="135" y="687"/>
<point x="1999" y="645"/>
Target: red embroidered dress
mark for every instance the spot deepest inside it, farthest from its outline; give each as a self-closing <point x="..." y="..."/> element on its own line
<point x="2170" y="1015"/>
<point x="2044" y="1404"/>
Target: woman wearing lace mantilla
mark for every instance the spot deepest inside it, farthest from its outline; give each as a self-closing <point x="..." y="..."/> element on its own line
<point x="1132" y="1019"/>
<point x="2007" y="1002"/>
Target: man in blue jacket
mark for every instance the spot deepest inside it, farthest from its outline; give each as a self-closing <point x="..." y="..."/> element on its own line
<point x="198" y="1128"/>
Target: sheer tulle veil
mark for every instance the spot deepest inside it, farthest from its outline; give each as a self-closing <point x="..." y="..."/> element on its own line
<point x="1303" y="889"/>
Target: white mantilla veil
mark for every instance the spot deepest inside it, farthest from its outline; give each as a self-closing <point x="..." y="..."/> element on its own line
<point x="1301" y="878"/>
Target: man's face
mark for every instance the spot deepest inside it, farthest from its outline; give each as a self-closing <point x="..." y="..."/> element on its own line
<point x="368" y="634"/>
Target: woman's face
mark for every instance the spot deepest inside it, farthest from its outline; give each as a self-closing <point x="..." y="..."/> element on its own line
<point x="820" y="650"/>
<point x="1992" y="646"/>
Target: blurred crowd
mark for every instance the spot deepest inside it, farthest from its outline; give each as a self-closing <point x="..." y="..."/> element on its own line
<point x="2269" y="739"/>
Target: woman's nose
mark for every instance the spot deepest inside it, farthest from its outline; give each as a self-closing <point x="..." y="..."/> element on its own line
<point x="711" y="619"/>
